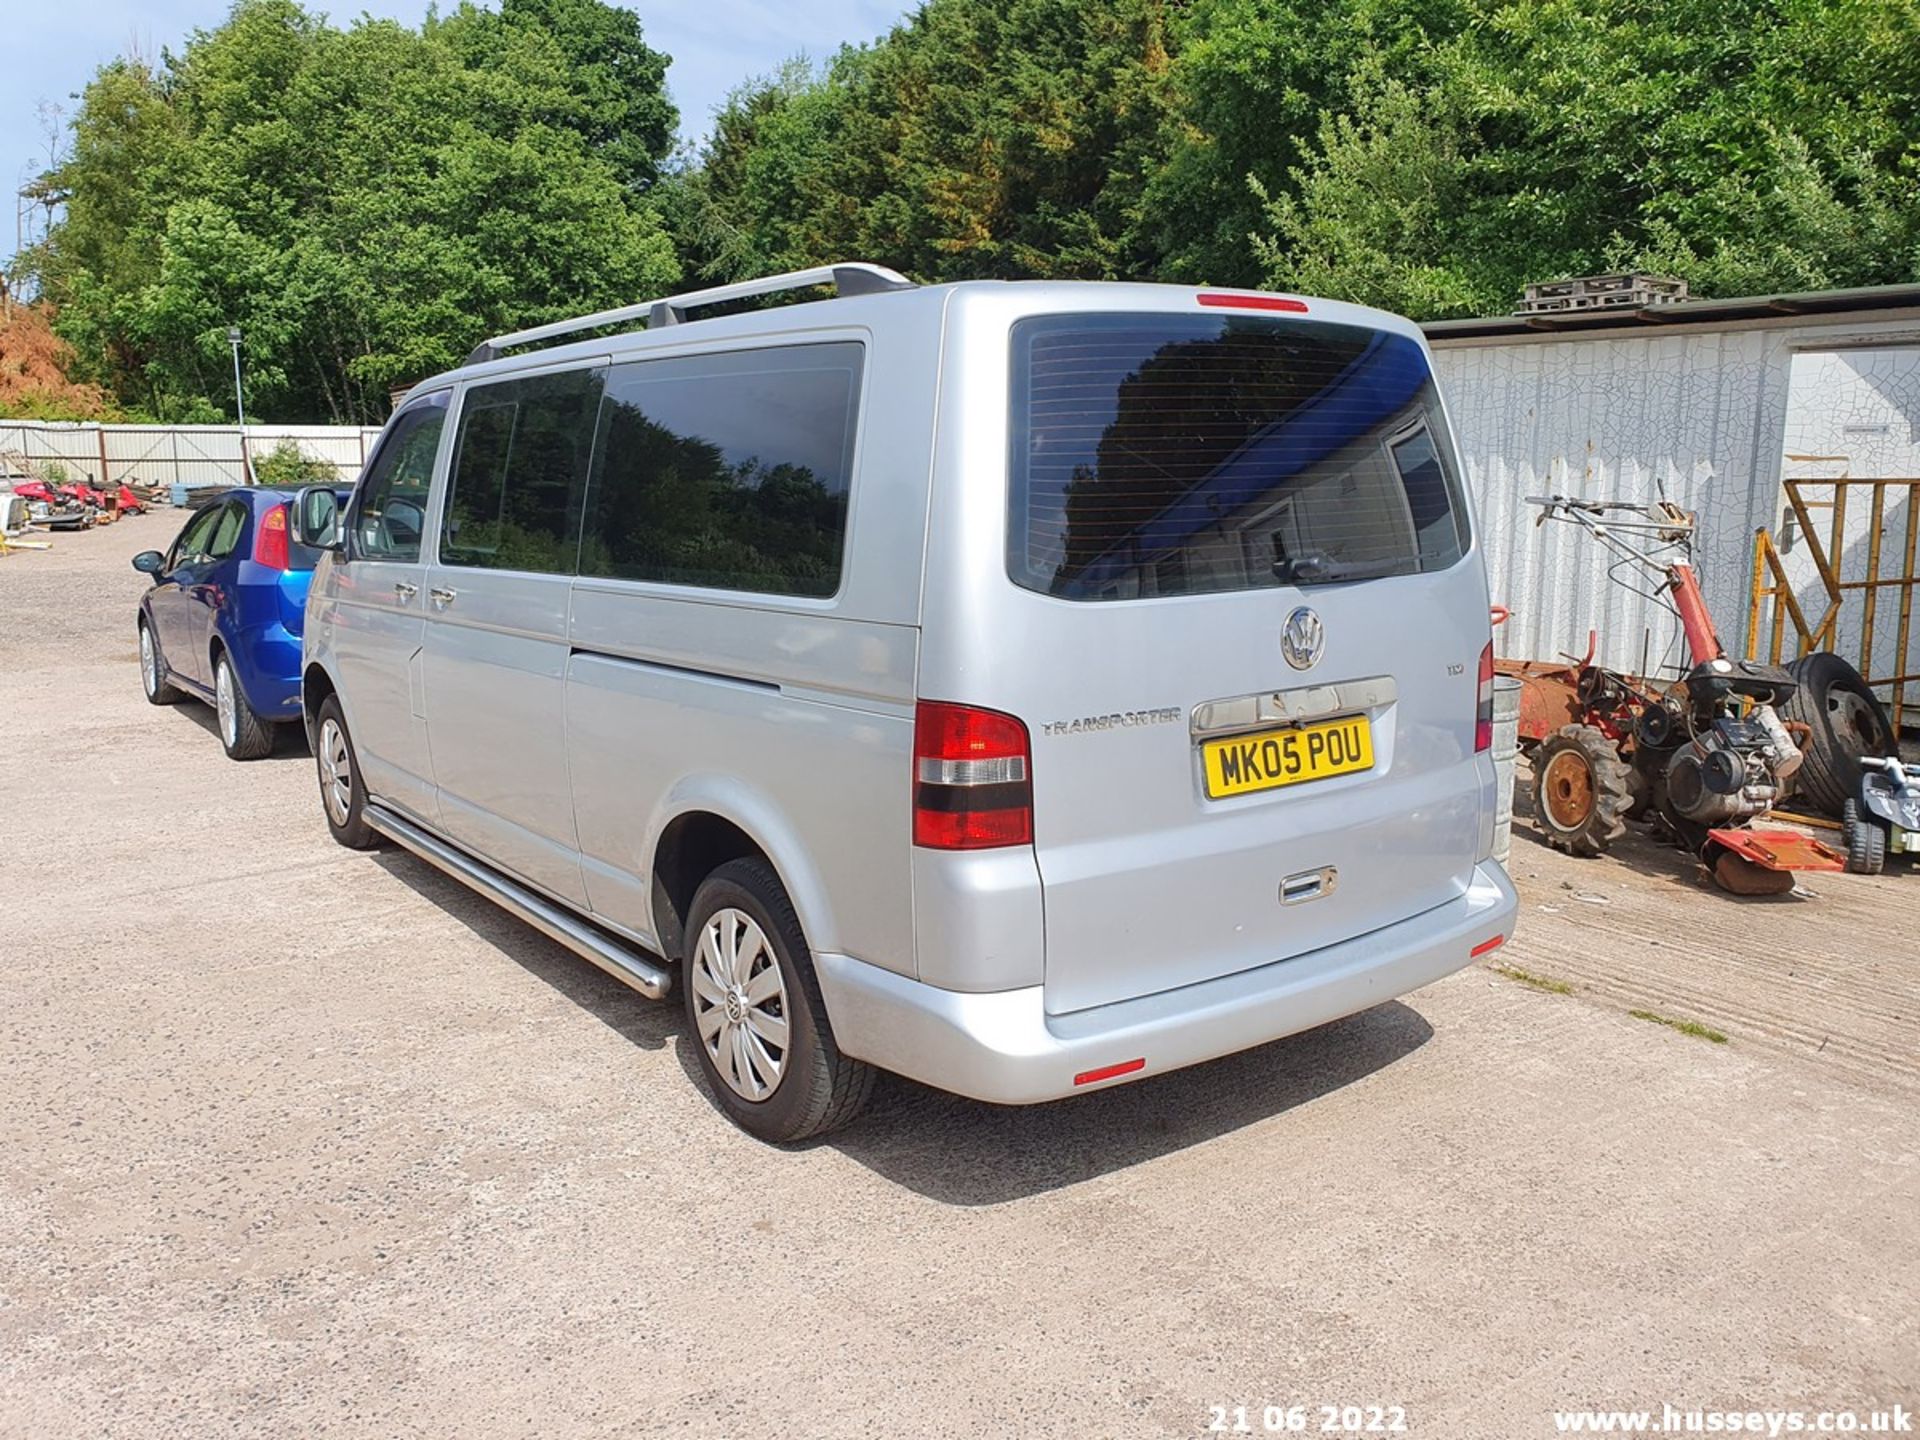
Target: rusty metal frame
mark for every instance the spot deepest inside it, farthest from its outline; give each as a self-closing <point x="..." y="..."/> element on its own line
<point x="1770" y="585"/>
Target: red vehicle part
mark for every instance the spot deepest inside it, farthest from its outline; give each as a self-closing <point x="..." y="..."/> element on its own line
<point x="1702" y="641"/>
<point x="1763" y="862"/>
<point x="1773" y="849"/>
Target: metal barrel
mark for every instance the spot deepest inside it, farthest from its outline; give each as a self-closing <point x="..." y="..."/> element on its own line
<point x="1506" y="744"/>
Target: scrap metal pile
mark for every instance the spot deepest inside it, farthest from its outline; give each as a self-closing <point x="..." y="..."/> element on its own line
<point x="1703" y="759"/>
<point x="30" y="502"/>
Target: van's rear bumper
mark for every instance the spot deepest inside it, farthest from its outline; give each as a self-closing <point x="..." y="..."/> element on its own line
<point x="1004" y="1047"/>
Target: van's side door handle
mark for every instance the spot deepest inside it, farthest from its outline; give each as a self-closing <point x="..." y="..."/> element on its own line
<point x="404" y="590"/>
<point x="442" y="594"/>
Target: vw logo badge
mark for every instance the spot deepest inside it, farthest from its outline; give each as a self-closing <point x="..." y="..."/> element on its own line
<point x="1303" y="638"/>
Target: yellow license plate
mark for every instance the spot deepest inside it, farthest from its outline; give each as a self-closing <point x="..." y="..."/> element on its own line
<point x="1274" y="758"/>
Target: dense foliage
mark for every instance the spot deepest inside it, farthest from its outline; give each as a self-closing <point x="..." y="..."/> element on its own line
<point x="1429" y="155"/>
<point x="363" y="203"/>
<point x="34" y="365"/>
<point x="368" y="202"/>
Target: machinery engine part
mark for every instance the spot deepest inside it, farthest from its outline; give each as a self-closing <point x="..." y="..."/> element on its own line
<point x="1729" y="771"/>
<point x="1656" y="727"/>
<point x="1787" y="756"/>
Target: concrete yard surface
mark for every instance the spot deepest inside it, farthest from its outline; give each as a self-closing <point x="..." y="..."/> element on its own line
<point x="303" y="1142"/>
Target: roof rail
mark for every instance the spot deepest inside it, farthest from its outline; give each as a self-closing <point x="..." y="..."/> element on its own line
<point x="850" y="278"/>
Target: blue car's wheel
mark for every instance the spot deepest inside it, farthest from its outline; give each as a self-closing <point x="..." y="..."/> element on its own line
<point x="153" y="671"/>
<point x="244" y="734"/>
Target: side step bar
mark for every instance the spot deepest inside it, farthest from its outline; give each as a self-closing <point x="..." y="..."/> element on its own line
<point x="647" y="976"/>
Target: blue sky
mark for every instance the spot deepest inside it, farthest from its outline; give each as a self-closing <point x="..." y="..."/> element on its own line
<point x="53" y="49"/>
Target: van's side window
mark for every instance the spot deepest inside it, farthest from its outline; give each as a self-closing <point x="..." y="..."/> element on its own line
<point x="519" y="468"/>
<point x="390" y="509"/>
<point x="729" y="471"/>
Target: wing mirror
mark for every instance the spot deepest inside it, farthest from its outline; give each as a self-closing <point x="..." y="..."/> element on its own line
<point x="150" y="562"/>
<point x="315" y="518"/>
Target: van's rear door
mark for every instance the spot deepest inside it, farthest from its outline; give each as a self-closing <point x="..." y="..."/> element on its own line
<point x="1249" y="641"/>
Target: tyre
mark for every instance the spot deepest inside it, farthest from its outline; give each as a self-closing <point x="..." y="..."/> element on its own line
<point x="1847" y="722"/>
<point x="754" y="1012"/>
<point x="342" y="797"/>
<point x="153" y="671"/>
<point x="244" y="734"/>
<point x="1581" y="790"/>
<point x="1866" y="840"/>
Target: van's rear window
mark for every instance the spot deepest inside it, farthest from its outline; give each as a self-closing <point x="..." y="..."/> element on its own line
<point x="1158" y="454"/>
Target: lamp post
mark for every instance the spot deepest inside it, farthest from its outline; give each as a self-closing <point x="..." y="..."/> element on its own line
<point x="239" y="403"/>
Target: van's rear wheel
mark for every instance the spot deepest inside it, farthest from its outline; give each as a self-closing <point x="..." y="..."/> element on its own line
<point x="754" y="1012"/>
<point x="342" y="796"/>
<point x="1582" y="790"/>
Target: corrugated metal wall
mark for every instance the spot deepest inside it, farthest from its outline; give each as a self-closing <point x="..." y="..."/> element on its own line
<point x="1697" y="414"/>
<point x="171" y="454"/>
<point x="1856" y="412"/>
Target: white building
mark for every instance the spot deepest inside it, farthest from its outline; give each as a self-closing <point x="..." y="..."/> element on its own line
<point x="1707" y="402"/>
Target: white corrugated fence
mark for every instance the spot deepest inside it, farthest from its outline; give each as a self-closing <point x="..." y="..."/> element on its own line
<point x="169" y="455"/>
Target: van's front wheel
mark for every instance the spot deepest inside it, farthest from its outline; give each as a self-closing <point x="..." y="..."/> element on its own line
<point x="754" y="1012"/>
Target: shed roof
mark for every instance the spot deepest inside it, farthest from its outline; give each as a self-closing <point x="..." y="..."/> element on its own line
<point x="1685" y="312"/>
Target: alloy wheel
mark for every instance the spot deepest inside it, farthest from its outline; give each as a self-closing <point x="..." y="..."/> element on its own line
<point x="740" y="1003"/>
<point x="224" y="702"/>
<point x="336" y="772"/>
<point x="149" y="662"/>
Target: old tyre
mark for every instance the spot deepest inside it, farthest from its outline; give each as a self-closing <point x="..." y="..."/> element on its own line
<point x="754" y="1013"/>
<point x="342" y="796"/>
<point x="1581" y="790"/>
<point x="1866" y="840"/>
<point x="153" y="671"/>
<point x="243" y="733"/>
<point x="1847" y="722"/>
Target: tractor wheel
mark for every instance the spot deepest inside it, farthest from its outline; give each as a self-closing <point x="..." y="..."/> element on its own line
<point x="1847" y="722"/>
<point x="1581" y="790"/>
<point x="1866" y="840"/>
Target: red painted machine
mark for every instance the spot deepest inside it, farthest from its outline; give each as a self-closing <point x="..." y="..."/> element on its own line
<point x="1702" y="758"/>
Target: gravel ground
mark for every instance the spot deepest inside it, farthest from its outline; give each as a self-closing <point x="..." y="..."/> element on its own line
<point x="305" y="1142"/>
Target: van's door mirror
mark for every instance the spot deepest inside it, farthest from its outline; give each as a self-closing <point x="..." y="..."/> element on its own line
<point x="316" y="518"/>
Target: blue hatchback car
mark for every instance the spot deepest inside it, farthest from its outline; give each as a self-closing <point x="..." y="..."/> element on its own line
<point x="221" y="622"/>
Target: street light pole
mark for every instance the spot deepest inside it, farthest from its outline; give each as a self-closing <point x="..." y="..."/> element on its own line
<point x="239" y="403"/>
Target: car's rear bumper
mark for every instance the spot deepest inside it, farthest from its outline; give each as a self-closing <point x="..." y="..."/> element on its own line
<point x="1004" y="1047"/>
<point x="268" y="668"/>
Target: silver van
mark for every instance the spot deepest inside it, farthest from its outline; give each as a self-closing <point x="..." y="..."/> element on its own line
<point x="1023" y="687"/>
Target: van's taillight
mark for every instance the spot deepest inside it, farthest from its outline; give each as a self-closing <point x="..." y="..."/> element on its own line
<point x="1483" y="712"/>
<point x="1253" y="302"/>
<point x="972" y="782"/>
<point x="270" y="540"/>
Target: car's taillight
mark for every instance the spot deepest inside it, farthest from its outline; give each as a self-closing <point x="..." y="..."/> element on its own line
<point x="1483" y="712"/>
<point x="270" y="540"/>
<point x="972" y="782"/>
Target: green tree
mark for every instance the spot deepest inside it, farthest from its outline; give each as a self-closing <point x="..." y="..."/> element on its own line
<point x="365" y="203"/>
<point x="1773" y="147"/>
<point x="1010" y="139"/>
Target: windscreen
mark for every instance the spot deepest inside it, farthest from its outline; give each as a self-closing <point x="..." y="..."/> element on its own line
<point x="1158" y="454"/>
